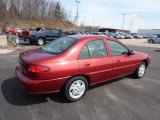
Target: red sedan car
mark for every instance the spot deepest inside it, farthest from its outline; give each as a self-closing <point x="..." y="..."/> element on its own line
<point x="74" y="63"/>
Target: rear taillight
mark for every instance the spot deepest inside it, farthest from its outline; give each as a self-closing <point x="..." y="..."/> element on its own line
<point x="37" y="68"/>
<point x="30" y="33"/>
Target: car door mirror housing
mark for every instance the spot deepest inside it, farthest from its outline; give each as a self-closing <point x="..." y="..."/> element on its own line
<point x="131" y="52"/>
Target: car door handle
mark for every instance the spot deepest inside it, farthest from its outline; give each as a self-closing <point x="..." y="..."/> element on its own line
<point x="86" y="64"/>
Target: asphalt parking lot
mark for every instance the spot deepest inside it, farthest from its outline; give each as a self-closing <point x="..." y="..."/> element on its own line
<point x="122" y="99"/>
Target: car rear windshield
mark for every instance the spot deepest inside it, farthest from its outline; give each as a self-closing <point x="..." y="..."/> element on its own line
<point x="59" y="46"/>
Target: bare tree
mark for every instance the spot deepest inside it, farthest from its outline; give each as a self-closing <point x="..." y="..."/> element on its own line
<point x="13" y="12"/>
<point x="18" y="4"/>
<point x="35" y="9"/>
<point x="43" y="8"/>
<point x="58" y="14"/>
<point x="2" y="10"/>
<point x="51" y="8"/>
<point x="27" y="9"/>
<point x="32" y="10"/>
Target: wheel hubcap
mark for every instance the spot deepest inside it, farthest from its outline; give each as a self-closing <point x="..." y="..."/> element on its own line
<point x="40" y="41"/>
<point x="77" y="89"/>
<point x="141" y="70"/>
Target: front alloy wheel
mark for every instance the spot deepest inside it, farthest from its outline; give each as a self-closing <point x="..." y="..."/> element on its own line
<point x="76" y="88"/>
<point x="141" y="70"/>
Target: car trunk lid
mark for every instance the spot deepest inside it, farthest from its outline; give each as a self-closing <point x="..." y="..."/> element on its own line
<point x="37" y="56"/>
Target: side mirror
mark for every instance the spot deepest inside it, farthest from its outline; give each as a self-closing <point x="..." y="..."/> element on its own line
<point x="131" y="52"/>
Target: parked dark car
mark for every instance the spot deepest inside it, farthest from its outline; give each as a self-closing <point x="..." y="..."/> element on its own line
<point x="41" y="35"/>
<point x="70" y="32"/>
<point x="154" y="39"/>
<point x="74" y="63"/>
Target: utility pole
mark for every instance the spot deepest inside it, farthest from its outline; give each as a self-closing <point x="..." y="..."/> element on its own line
<point x="84" y="21"/>
<point x="131" y="25"/>
<point x="123" y="20"/>
<point x="93" y="22"/>
<point x="77" y="13"/>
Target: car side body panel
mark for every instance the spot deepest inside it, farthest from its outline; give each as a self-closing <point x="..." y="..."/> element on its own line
<point x="124" y="65"/>
<point x="98" y="69"/>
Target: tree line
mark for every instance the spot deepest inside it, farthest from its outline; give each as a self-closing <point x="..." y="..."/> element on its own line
<point x="12" y="10"/>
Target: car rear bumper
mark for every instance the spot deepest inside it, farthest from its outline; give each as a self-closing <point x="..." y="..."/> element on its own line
<point x="38" y="86"/>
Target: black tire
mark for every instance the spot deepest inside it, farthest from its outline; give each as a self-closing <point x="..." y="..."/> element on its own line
<point x="137" y="72"/>
<point x="40" y="41"/>
<point x="68" y="88"/>
<point x="151" y="41"/>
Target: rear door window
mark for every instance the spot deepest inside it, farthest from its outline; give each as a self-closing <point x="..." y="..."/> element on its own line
<point x="94" y="49"/>
<point x="85" y="53"/>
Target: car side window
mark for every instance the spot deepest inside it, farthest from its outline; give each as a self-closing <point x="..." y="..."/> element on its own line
<point x="94" y="49"/>
<point x="116" y="48"/>
<point x="48" y="30"/>
<point x="55" y="31"/>
<point x="84" y="54"/>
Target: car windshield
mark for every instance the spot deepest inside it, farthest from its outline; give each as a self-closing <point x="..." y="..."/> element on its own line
<point x="59" y="46"/>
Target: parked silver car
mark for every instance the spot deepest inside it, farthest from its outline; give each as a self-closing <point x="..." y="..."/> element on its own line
<point x="154" y="39"/>
<point x="126" y="35"/>
<point x="137" y="35"/>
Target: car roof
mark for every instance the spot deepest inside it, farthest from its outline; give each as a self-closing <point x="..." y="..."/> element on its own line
<point x="78" y="37"/>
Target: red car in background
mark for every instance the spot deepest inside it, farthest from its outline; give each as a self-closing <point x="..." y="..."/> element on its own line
<point x="13" y="31"/>
<point x="74" y="63"/>
<point x="8" y="30"/>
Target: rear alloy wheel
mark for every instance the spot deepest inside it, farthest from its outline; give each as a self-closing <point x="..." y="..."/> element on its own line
<point x="141" y="70"/>
<point x="40" y="41"/>
<point x="75" y="88"/>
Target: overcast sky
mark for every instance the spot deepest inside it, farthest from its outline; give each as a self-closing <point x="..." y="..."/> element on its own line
<point x="144" y="14"/>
